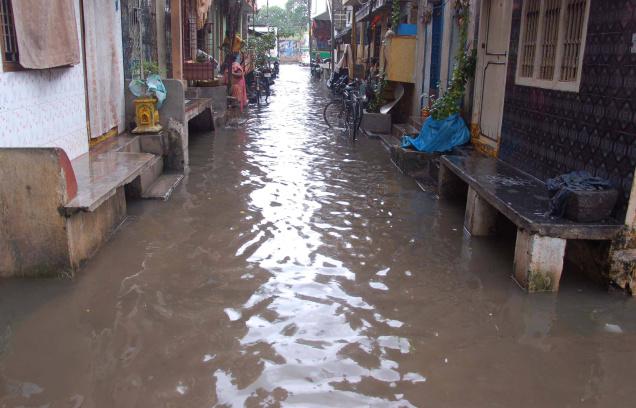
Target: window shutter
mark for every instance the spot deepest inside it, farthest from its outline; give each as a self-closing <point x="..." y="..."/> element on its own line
<point x="9" y="44"/>
<point x="529" y="44"/>
<point x="574" y="18"/>
<point x="550" y="38"/>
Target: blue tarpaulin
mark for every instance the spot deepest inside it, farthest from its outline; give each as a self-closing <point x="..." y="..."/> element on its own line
<point x="439" y="135"/>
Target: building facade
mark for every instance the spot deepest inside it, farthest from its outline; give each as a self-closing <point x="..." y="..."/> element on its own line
<point x="60" y="106"/>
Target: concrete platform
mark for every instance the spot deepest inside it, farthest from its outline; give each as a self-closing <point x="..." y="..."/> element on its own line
<point x="99" y="175"/>
<point x="523" y="198"/>
<point x="495" y="187"/>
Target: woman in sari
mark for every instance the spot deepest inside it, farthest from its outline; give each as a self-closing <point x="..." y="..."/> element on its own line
<point x="239" y="90"/>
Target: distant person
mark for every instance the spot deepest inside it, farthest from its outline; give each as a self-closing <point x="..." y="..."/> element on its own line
<point x="239" y="90"/>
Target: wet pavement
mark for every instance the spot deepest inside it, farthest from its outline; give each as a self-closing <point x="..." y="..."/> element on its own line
<point x="295" y="268"/>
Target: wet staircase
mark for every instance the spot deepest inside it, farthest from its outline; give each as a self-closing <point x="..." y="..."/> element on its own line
<point x="411" y="128"/>
<point x="136" y="162"/>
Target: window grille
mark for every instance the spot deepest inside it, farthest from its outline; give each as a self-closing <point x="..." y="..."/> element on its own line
<point x="529" y="44"/>
<point x="551" y="43"/>
<point x="574" y="17"/>
<point x="8" y="41"/>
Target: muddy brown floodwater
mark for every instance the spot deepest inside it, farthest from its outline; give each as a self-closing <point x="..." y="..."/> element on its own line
<point x="294" y="268"/>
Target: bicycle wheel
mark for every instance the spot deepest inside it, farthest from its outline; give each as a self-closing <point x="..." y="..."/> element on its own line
<point x="354" y="122"/>
<point x="349" y="120"/>
<point x="358" y="118"/>
<point x="333" y="115"/>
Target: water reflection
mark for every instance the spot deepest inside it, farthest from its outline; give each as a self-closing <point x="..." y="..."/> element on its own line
<point x="309" y="342"/>
<point x="294" y="267"/>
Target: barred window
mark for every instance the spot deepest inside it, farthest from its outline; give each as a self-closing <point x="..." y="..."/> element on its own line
<point x="529" y="39"/>
<point x="551" y="43"/>
<point x="8" y="41"/>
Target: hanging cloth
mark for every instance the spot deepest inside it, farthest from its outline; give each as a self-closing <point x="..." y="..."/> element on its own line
<point x="104" y="66"/>
<point x="46" y="33"/>
<point x="203" y="6"/>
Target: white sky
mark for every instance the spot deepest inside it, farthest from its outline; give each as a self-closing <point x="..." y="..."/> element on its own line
<point x="263" y="3"/>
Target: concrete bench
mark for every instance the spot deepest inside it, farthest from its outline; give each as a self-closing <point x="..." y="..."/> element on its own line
<point x="196" y="107"/>
<point x="100" y="175"/>
<point x="58" y="212"/>
<point x="494" y="187"/>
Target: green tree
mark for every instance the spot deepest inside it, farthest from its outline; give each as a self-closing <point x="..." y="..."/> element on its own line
<point x="291" y="20"/>
<point x="260" y="45"/>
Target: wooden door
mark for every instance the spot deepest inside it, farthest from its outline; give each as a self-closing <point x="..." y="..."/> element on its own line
<point x="490" y="76"/>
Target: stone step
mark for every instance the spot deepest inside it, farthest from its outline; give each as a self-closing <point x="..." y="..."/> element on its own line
<point x="388" y="140"/>
<point x="146" y="178"/>
<point x="414" y="163"/>
<point x="124" y="143"/>
<point x="401" y="129"/>
<point x="416" y="122"/>
<point x="151" y="174"/>
<point x="163" y="186"/>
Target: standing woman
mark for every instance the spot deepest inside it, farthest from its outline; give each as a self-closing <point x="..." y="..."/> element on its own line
<point x="238" y="82"/>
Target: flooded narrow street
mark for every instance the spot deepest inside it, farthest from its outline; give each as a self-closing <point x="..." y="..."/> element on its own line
<point x="294" y="267"/>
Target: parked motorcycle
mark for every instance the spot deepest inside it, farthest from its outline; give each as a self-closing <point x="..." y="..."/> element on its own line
<point x="316" y="70"/>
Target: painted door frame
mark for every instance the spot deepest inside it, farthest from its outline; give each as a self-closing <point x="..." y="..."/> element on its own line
<point x="485" y="60"/>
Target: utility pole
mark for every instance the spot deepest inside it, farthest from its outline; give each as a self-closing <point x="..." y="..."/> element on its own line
<point x="309" y="25"/>
<point x="333" y="37"/>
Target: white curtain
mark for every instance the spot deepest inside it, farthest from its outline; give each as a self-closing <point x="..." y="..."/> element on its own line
<point x="104" y="65"/>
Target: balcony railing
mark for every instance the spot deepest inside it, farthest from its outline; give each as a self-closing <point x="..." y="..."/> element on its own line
<point x="363" y="11"/>
<point x="378" y="4"/>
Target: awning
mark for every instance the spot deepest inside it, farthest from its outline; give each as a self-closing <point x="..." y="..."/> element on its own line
<point x="46" y="32"/>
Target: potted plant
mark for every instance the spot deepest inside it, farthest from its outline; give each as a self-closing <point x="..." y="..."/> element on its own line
<point x="372" y="119"/>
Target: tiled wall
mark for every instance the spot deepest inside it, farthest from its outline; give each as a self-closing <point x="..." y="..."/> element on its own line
<point x="550" y="132"/>
<point x="44" y="108"/>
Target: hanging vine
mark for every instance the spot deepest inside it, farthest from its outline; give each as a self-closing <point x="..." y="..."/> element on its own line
<point x="395" y="14"/>
<point x="450" y="103"/>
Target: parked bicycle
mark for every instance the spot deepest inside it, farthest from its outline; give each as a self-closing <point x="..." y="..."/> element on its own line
<point x="345" y="111"/>
<point x="261" y="86"/>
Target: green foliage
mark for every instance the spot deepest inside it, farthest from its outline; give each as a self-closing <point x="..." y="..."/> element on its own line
<point x="260" y="46"/>
<point x="395" y="15"/>
<point x="465" y="60"/>
<point x="291" y="21"/>
<point x="148" y="67"/>
<point x="378" y="96"/>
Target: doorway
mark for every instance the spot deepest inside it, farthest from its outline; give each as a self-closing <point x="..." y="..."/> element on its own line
<point x="490" y="75"/>
<point x="103" y="66"/>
